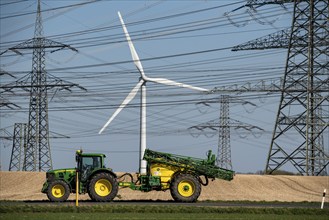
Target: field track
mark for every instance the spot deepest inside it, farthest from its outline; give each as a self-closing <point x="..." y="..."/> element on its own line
<point x="26" y="186"/>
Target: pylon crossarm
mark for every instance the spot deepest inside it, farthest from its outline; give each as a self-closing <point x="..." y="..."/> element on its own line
<point x="39" y="42"/>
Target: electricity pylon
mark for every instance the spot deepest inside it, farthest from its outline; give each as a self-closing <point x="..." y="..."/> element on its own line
<point x="224" y="158"/>
<point x="304" y="105"/>
<point x="224" y="125"/>
<point x="19" y="146"/>
<point x="37" y="155"/>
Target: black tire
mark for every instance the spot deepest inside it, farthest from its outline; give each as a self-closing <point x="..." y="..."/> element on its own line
<point x="103" y="187"/>
<point x="58" y="191"/>
<point x="185" y="188"/>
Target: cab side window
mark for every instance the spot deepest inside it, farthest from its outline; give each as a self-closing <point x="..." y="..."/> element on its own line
<point x="91" y="162"/>
<point x="88" y="165"/>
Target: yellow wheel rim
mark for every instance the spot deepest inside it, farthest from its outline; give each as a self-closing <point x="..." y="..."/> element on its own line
<point x="103" y="187"/>
<point x="58" y="191"/>
<point x="186" y="188"/>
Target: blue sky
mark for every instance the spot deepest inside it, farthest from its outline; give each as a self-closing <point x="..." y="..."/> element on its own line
<point x="162" y="31"/>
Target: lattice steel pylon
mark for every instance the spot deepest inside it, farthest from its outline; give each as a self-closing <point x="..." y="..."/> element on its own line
<point x="223" y="125"/>
<point x="38" y="129"/>
<point x="19" y="146"/>
<point x="37" y="155"/>
<point x="299" y="115"/>
<point x="302" y="120"/>
<point x="224" y="158"/>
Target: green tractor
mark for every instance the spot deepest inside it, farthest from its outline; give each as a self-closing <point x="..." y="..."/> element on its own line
<point x="96" y="180"/>
<point x="183" y="176"/>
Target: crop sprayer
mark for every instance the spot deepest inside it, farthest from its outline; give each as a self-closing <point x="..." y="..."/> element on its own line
<point x="182" y="175"/>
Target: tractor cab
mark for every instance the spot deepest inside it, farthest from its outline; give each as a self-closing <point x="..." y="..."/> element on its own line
<point x="88" y="163"/>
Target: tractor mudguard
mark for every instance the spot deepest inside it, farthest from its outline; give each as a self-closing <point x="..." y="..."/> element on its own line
<point x="102" y="170"/>
<point x="44" y="187"/>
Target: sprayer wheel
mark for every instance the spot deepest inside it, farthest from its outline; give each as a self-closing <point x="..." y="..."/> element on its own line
<point x="185" y="188"/>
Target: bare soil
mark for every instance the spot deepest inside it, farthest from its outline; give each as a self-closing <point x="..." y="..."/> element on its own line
<point x="27" y="186"/>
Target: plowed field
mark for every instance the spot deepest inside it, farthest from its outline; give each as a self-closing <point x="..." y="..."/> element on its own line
<point x="27" y="186"/>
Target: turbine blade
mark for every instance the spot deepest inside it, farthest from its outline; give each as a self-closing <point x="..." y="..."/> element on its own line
<point x="133" y="52"/>
<point x="174" y="83"/>
<point x="130" y="97"/>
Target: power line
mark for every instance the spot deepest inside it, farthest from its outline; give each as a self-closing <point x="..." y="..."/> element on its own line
<point x="51" y="9"/>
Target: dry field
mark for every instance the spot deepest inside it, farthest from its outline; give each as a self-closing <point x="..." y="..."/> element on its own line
<point x="27" y="186"/>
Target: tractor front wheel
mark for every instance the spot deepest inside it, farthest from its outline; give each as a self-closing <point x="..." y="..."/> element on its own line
<point x="58" y="191"/>
<point x="103" y="187"/>
<point x="185" y="188"/>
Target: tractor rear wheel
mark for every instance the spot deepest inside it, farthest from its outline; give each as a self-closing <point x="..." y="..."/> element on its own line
<point x="58" y="191"/>
<point x="185" y="188"/>
<point x="103" y="187"/>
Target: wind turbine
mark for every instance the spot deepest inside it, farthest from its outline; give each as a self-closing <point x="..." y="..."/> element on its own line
<point x="142" y="85"/>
